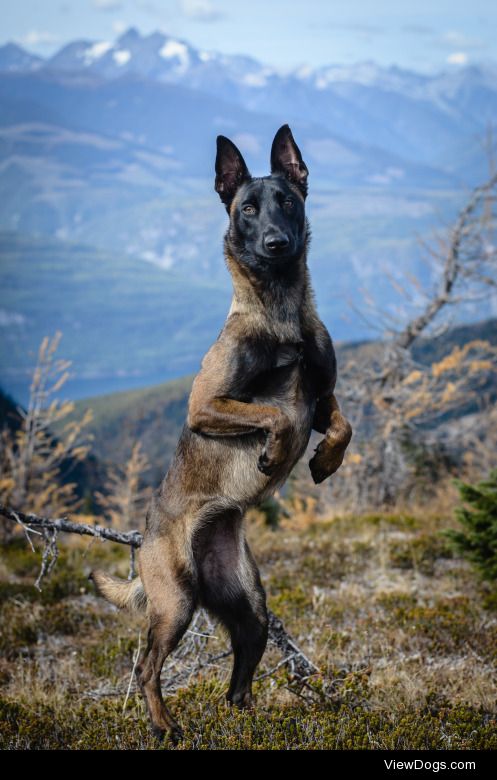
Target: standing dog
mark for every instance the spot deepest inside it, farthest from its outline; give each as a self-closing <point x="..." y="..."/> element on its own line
<point x="265" y="383"/>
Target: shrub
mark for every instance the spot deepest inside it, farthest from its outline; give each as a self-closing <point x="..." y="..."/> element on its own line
<point x="477" y="541"/>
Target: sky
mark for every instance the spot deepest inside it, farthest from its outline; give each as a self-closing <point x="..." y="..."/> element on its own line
<point x="426" y="35"/>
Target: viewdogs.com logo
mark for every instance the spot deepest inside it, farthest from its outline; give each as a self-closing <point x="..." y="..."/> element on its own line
<point x="434" y="766"/>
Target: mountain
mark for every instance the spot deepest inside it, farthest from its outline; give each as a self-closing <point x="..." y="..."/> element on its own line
<point x="106" y="160"/>
<point x="14" y="58"/>
<point x="417" y="117"/>
<point x="126" y="166"/>
<point x="180" y="122"/>
<point x="121" y="319"/>
<point x="162" y="58"/>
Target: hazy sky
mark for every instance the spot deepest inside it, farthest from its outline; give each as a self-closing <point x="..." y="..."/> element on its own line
<point x="422" y="35"/>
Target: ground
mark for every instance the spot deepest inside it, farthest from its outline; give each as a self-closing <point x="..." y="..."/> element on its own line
<point x="402" y="632"/>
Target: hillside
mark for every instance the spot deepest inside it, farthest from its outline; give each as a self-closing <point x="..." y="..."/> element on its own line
<point x="120" y="318"/>
<point x="155" y="415"/>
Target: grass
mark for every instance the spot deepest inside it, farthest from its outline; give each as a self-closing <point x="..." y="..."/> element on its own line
<point x="403" y="634"/>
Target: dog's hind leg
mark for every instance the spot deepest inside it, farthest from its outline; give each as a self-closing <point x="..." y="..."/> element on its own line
<point x="245" y="617"/>
<point x="171" y="603"/>
<point x="231" y="589"/>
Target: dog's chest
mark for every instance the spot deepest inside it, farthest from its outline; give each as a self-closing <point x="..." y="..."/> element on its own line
<point x="284" y="379"/>
<point x="281" y="372"/>
<point x="286" y="386"/>
<point x="287" y="355"/>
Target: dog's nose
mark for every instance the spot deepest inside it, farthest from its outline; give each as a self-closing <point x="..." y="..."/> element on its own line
<point x="276" y="242"/>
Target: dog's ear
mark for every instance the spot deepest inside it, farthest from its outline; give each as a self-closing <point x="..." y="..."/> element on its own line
<point x="286" y="159"/>
<point x="231" y="170"/>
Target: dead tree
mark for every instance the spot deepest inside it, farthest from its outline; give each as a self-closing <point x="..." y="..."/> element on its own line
<point x="32" y="457"/>
<point x="387" y="395"/>
<point x="124" y="498"/>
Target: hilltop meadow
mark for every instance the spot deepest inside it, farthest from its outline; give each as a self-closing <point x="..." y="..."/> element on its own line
<point x="398" y="625"/>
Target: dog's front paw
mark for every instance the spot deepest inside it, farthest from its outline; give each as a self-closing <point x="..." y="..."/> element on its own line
<point x="264" y="464"/>
<point x="267" y="463"/>
<point x="326" y="461"/>
<point x="275" y="451"/>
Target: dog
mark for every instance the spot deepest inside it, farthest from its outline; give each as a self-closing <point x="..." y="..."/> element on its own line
<point x="264" y="385"/>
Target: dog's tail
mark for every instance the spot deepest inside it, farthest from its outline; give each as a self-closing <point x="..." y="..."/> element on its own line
<point x="123" y="594"/>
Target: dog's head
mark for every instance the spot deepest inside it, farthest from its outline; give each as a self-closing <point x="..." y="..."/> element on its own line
<point x="268" y="227"/>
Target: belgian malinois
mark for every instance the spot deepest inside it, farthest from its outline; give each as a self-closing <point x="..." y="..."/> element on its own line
<point x="265" y="383"/>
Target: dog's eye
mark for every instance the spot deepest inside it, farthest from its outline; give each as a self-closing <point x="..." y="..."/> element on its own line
<point x="288" y="203"/>
<point x="249" y="209"/>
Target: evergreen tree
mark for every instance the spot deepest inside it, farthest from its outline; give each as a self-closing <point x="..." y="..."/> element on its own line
<point x="477" y="541"/>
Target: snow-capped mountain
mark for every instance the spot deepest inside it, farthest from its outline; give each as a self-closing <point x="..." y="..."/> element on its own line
<point x="159" y="57"/>
<point x="14" y="58"/>
<point x="164" y="58"/>
<point x="112" y="143"/>
<point x="418" y="117"/>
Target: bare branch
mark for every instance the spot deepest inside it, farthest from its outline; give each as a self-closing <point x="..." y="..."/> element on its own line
<point x="300" y="665"/>
<point x="453" y="266"/>
<point x="50" y="555"/>
<point x="133" y="538"/>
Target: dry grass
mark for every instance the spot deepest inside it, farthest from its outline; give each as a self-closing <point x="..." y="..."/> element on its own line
<point x="395" y="623"/>
<point x="384" y="593"/>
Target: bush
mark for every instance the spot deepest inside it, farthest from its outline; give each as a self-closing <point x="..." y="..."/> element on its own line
<point x="478" y="515"/>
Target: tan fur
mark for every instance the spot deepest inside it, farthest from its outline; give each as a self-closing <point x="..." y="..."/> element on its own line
<point x="232" y="454"/>
<point x="125" y="595"/>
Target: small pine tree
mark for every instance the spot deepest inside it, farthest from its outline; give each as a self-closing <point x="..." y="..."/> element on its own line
<point x="31" y="458"/>
<point x="125" y="497"/>
<point x="478" y="515"/>
<point x="271" y="510"/>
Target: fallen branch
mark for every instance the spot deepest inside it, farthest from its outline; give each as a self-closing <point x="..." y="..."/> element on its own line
<point x="297" y="660"/>
<point x="134" y="538"/>
<point x="300" y="666"/>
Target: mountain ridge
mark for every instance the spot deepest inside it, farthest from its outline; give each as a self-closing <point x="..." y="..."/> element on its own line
<point x="118" y="155"/>
<point x="89" y="52"/>
<point x="333" y="93"/>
